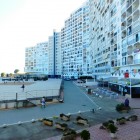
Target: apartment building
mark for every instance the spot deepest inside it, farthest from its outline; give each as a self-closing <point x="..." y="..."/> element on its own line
<point x="54" y="46"/>
<point x="115" y="37"/>
<point x="75" y="43"/>
<point x="36" y="59"/>
<point x="101" y="38"/>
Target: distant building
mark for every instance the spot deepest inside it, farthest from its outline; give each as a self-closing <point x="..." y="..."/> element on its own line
<point x="54" y="55"/>
<point x="36" y="59"/>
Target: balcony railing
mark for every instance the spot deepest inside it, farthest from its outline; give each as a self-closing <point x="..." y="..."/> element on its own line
<point x="137" y="61"/>
<point x="130" y="62"/>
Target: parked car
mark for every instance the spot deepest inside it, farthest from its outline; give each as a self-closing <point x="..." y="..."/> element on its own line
<point x="67" y="79"/>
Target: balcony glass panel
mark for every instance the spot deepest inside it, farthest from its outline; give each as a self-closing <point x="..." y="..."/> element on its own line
<point x="137" y="61"/>
<point x="135" y="5"/>
<point x="129" y="2"/>
<point x="136" y="15"/>
<point x="129" y="11"/>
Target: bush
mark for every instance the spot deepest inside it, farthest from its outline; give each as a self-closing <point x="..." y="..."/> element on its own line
<point x="112" y="128"/>
<point x="85" y="135"/>
<point x="121" y="107"/>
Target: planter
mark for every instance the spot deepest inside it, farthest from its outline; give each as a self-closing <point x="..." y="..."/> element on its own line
<point x="65" y="117"/>
<point x="133" y="118"/>
<point x="61" y="126"/>
<point x="121" y="121"/>
<point x="81" y="120"/>
<point x="84" y="122"/>
<point x="69" y="137"/>
<point x="70" y="134"/>
<point x="48" y="122"/>
<point x="113" y="135"/>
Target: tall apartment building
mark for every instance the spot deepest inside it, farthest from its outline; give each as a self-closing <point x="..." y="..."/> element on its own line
<point x="115" y="37"/>
<point x="45" y="57"/>
<point x="36" y="58"/>
<point x="54" y="46"/>
<point x="75" y="43"/>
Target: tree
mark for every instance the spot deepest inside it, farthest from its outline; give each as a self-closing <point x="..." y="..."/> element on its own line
<point x="16" y="71"/>
<point x="3" y="74"/>
<point x="10" y="74"/>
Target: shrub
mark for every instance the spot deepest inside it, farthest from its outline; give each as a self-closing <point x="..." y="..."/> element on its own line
<point x="119" y="107"/>
<point x="85" y="135"/>
<point x="112" y="128"/>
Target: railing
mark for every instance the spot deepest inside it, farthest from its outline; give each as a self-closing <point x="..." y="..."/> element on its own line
<point x="137" y="61"/>
<point x="29" y="94"/>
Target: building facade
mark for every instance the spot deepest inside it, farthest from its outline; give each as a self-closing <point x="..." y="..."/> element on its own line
<point x="75" y="43"/>
<point x="115" y="38"/>
<point x="54" y="46"/>
<point x="100" y="39"/>
<point x="36" y="59"/>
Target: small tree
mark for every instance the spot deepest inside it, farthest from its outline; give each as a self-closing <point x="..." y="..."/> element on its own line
<point x="10" y="74"/>
<point x="3" y="74"/>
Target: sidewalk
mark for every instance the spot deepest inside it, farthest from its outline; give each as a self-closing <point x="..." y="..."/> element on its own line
<point x="129" y="131"/>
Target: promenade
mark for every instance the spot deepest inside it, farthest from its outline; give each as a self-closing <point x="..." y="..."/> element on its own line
<point x="75" y="100"/>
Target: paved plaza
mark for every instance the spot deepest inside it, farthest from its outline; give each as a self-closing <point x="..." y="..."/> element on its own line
<point x="75" y="100"/>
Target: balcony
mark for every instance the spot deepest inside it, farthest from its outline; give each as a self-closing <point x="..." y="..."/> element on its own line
<point x="137" y="48"/>
<point x="136" y="26"/>
<point x="129" y="2"/>
<point x="130" y="60"/>
<point x="129" y="21"/>
<point x="135" y="5"/>
<point x="129" y="11"/>
<point x="123" y="25"/>
<point x="136" y="15"/>
<point x="123" y="17"/>
<point x="123" y="34"/>
<point x="129" y="30"/>
<point x="129" y="50"/>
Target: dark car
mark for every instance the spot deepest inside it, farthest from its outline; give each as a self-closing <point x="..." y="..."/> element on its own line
<point x="67" y="79"/>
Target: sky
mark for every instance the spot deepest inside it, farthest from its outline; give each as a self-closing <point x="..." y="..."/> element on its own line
<point x="24" y="23"/>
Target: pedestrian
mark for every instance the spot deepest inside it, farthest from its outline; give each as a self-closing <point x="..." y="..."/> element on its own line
<point x="126" y="103"/>
<point x="23" y="87"/>
<point x="43" y="102"/>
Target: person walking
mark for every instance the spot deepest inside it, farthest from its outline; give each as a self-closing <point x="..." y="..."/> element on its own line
<point x="23" y="87"/>
<point x="43" y="102"/>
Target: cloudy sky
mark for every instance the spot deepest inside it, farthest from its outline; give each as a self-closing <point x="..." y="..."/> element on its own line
<point x="24" y="23"/>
